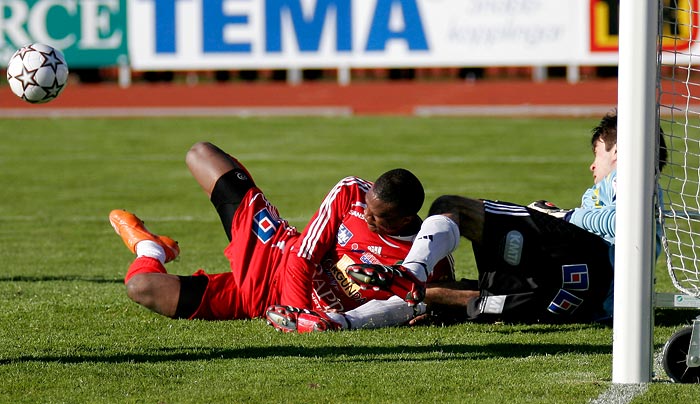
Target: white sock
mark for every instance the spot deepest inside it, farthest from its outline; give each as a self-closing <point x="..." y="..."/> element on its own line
<point x="339" y="318"/>
<point x="149" y="248"/>
<point x="436" y="239"/>
<point x="382" y="313"/>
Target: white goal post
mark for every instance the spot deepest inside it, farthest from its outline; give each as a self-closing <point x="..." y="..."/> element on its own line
<point x="658" y="87"/>
<point x="637" y="120"/>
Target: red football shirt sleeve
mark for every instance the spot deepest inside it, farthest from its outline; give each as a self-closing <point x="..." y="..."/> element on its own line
<point x="320" y="235"/>
<point x="318" y="238"/>
<point x="298" y="278"/>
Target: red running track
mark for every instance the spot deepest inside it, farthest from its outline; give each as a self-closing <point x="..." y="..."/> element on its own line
<point x="385" y="98"/>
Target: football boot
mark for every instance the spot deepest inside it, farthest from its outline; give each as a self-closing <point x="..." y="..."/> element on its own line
<point x="291" y="319"/>
<point x="132" y="230"/>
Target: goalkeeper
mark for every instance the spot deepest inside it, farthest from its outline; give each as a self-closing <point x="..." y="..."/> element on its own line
<point x="536" y="264"/>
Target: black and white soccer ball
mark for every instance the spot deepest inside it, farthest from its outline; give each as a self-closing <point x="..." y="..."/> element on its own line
<point x="37" y="73"/>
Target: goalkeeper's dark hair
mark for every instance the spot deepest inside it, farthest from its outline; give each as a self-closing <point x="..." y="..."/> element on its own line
<point x="607" y="132"/>
<point x="402" y="189"/>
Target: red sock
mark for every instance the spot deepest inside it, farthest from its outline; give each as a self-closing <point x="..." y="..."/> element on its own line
<point x="144" y="265"/>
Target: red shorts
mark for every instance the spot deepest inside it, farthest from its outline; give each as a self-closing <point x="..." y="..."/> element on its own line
<point x="259" y="240"/>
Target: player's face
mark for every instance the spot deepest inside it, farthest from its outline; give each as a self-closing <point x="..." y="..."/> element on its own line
<point x="604" y="161"/>
<point x="381" y="217"/>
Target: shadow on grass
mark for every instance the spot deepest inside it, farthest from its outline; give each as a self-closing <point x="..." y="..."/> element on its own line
<point x="674" y="317"/>
<point x="345" y="353"/>
<point x="64" y="278"/>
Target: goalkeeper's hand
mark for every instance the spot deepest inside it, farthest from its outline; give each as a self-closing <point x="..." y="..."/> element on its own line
<point x="393" y="279"/>
<point x="550" y="209"/>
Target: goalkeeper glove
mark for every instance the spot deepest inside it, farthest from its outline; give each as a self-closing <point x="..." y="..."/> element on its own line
<point x="389" y="278"/>
<point x="550" y="209"/>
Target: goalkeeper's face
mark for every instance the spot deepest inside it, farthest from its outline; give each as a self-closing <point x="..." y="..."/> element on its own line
<point x="604" y="161"/>
<point x="381" y="217"/>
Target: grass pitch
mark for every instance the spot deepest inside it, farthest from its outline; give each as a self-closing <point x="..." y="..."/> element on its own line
<point x="68" y="333"/>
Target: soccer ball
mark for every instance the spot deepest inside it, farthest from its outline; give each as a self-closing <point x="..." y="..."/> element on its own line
<point x="37" y="73"/>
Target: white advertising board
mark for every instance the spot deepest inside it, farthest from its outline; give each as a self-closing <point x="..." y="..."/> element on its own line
<point x="258" y="34"/>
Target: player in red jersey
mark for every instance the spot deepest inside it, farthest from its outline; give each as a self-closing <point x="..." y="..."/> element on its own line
<point x="271" y="262"/>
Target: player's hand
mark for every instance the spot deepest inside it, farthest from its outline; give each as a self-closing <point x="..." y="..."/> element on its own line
<point x="420" y="319"/>
<point x="394" y="279"/>
<point x="549" y="208"/>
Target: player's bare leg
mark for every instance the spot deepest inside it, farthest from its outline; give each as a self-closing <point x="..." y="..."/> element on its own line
<point x="468" y="213"/>
<point x="221" y="177"/>
<point x="158" y="292"/>
<point x="147" y="283"/>
<point x="208" y="163"/>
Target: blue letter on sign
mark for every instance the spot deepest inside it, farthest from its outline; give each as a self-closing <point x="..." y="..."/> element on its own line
<point x="308" y="33"/>
<point x="380" y="32"/>
<point x="165" y="26"/>
<point x="213" y="23"/>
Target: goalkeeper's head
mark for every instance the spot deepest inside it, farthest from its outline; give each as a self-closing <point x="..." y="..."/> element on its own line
<point x="604" y="144"/>
<point x="393" y="203"/>
<point x="606" y="132"/>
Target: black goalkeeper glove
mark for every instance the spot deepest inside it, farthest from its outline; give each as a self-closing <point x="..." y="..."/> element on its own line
<point x="550" y="209"/>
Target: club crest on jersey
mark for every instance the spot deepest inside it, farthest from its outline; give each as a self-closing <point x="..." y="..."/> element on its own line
<point x="564" y="303"/>
<point x="575" y="277"/>
<point x="344" y="235"/>
<point x="264" y="226"/>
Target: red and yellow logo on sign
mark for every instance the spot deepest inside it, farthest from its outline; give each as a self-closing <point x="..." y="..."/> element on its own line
<point x="679" y="27"/>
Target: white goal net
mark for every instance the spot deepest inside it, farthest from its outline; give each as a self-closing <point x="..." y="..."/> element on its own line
<point x="678" y="99"/>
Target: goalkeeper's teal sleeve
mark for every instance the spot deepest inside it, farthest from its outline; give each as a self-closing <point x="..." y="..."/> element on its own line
<point x="600" y="221"/>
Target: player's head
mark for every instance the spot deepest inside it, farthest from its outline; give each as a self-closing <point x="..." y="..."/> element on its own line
<point x="604" y="144"/>
<point x="393" y="202"/>
<point x="606" y="131"/>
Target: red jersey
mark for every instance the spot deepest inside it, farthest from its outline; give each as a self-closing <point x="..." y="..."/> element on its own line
<point x="271" y="263"/>
<point x="338" y="236"/>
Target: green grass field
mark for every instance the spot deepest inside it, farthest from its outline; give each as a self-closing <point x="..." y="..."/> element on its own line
<point x="68" y="333"/>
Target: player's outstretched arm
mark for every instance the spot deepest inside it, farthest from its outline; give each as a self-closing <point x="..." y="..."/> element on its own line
<point x="600" y="221"/>
<point x="550" y="209"/>
<point x="389" y="278"/>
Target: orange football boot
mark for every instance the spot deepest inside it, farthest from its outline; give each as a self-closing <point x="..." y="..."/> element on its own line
<point x="132" y="230"/>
